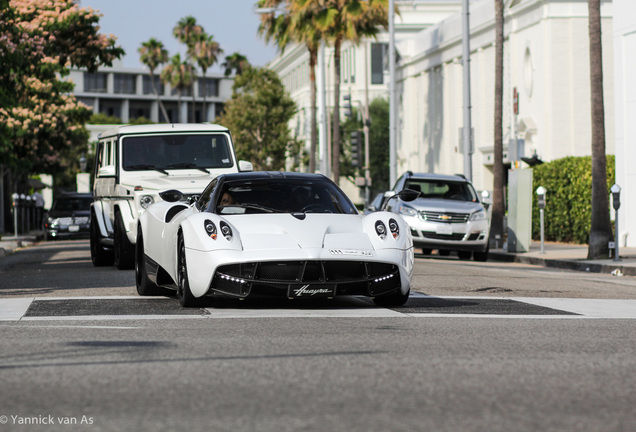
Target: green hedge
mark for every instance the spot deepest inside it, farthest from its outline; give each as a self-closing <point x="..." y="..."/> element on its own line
<point x="568" y="181"/>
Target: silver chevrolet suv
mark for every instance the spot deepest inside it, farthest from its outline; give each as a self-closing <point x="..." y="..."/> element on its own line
<point x="448" y="215"/>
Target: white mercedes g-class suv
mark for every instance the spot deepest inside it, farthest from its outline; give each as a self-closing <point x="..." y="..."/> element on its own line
<point x="133" y="164"/>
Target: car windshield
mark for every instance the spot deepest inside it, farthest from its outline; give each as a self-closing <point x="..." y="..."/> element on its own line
<point x="174" y="152"/>
<point x="72" y="204"/>
<point x="281" y="196"/>
<point x="442" y="189"/>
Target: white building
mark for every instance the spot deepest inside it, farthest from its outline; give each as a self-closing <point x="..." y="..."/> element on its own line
<point x="128" y="94"/>
<point x="546" y="61"/>
<point x="625" y="124"/>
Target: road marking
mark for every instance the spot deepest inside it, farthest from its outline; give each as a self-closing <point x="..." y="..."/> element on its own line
<point x="419" y="306"/>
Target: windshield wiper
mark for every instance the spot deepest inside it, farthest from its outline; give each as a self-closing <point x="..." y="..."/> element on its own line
<point x="186" y="166"/>
<point x="146" y="167"/>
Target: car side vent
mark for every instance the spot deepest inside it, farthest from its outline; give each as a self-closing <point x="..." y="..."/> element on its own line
<point x="170" y="214"/>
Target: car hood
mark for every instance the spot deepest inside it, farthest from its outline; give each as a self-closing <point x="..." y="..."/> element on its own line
<point x="445" y="205"/>
<point x="184" y="183"/>
<point x="284" y="231"/>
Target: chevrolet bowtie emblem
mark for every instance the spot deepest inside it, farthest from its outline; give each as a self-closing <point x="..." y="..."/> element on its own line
<point x="444" y="217"/>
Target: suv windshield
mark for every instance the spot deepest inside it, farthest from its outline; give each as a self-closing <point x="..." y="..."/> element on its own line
<point x="442" y="189"/>
<point x="72" y="204"/>
<point x="168" y="152"/>
<point x="282" y="196"/>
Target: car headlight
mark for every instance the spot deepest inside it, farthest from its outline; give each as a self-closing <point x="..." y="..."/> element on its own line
<point x="226" y="231"/>
<point x="479" y="215"/>
<point x="407" y="211"/>
<point x="52" y="222"/>
<point x="380" y="229"/>
<point x="145" y="201"/>
<point x="394" y="228"/>
<point x="210" y="228"/>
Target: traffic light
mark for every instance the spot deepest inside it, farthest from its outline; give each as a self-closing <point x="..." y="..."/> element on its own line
<point x="348" y="106"/>
<point x="356" y="148"/>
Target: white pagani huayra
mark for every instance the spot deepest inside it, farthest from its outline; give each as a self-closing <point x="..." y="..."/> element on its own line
<point x="272" y="234"/>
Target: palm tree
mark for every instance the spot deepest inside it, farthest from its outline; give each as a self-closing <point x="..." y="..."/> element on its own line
<point x="345" y="20"/>
<point x="235" y="62"/>
<point x="179" y="74"/>
<point x="600" y="229"/>
<point x="205" y="52"/>
<point x="498" y="205"/>
<point x="187" y="31"/>
<point x="297" y="25"/>
<point x="153" y="54"/>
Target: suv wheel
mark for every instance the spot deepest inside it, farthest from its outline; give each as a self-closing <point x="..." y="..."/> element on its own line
<point x="100" y="256"/>
<point x="481" y="256"/>
<point x="464" y="255"/>
<point x="124" y="249"/>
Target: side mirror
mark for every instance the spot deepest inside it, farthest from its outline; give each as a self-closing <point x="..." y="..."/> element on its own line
<point x="106" y="171"/>
<point x="245" y="166"/>
<point x="171" y="195"/>
<point x="405" y="195"/>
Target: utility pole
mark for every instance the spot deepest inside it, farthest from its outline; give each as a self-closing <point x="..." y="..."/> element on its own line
<point x="467" y="141"/>
<point x="392" y="101"/>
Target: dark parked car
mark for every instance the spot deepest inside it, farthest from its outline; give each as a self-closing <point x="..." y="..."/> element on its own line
<point x="69" y="216"/>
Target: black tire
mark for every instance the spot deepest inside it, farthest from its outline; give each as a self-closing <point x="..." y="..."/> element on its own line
<point x="100" y="256"/>
<point x="481" y="256"/>
<point x="444" y="252"/>
<point x="184" y="295"/>
<point x="124" y="250"/>
<point x="145" y="287"/>
<point x="392" y="300"/>
<point x="464" y="255"/>
<point x="426" y="251"/>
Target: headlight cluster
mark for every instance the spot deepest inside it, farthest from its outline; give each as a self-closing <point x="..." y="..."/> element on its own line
<point x="407" y="211"/>
<point x="145" y="201"/>
<point x="381" y="231"/>
<point x="478" y="215"/>
<point x="210" y="229"/>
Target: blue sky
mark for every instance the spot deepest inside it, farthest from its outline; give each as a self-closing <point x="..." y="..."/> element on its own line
<point x="233" y="24"/>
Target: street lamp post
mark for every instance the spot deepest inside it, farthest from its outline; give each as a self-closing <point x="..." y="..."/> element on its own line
<point x="392" y="101"/>
<point x="616" y="202"/>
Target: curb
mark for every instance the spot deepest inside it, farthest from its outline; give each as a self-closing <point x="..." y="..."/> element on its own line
<point x="582" y="265"/>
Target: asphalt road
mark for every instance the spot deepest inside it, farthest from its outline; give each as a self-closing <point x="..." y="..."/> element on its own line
<point x="500" y="347"/>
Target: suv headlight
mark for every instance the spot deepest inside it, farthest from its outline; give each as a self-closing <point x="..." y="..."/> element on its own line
<point x="407" y="211"/>
<point x="145" y="201"/>
<point x="478" y="215"/>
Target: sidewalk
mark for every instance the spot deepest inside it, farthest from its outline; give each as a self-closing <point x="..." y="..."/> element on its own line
<point x="570" y="257"/>
<point x="8" y="244"/>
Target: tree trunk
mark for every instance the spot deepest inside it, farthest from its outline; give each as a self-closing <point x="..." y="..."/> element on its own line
<point x="156" y="91"/>
<point x="498" y="205"/>
<point x="313" y="56"/>
<point x="335" y="156"/>
<point x="600" y="230"/>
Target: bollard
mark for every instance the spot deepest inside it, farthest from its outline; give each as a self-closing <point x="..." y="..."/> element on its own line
<point x="541" y="191"/>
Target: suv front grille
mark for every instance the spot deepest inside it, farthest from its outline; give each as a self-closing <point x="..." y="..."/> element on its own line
<point x="443" y="217"/>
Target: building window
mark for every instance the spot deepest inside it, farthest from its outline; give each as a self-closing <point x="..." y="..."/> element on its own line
<point x="125" y="84"/>
<point x="208" y="86"/>
<point x="378" y="52"/>
<point x="94" y="82"/>
<point x="147" y="85"/>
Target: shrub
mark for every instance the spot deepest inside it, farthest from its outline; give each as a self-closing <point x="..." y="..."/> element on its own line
<point x="567" y="215"/>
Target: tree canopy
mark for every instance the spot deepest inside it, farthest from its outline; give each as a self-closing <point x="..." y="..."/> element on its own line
<point x="41" y="122"/>
<point x="258" y="116"/>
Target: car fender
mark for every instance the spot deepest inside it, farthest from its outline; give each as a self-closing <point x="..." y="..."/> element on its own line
<point x="98" y="208"/>
<point x="202" y="266"/>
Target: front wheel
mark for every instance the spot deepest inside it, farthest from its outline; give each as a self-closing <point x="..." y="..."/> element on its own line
<point x="124" y="249"/>
<point x="392" y="300"/>
<point x="481" y="256"/>
<point x="183" y="290"/>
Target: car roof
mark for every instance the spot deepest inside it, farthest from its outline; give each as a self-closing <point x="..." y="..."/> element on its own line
<point x="274" y="175"/>
<point x="433" y="176"/>
<point x="163" y="128"/>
